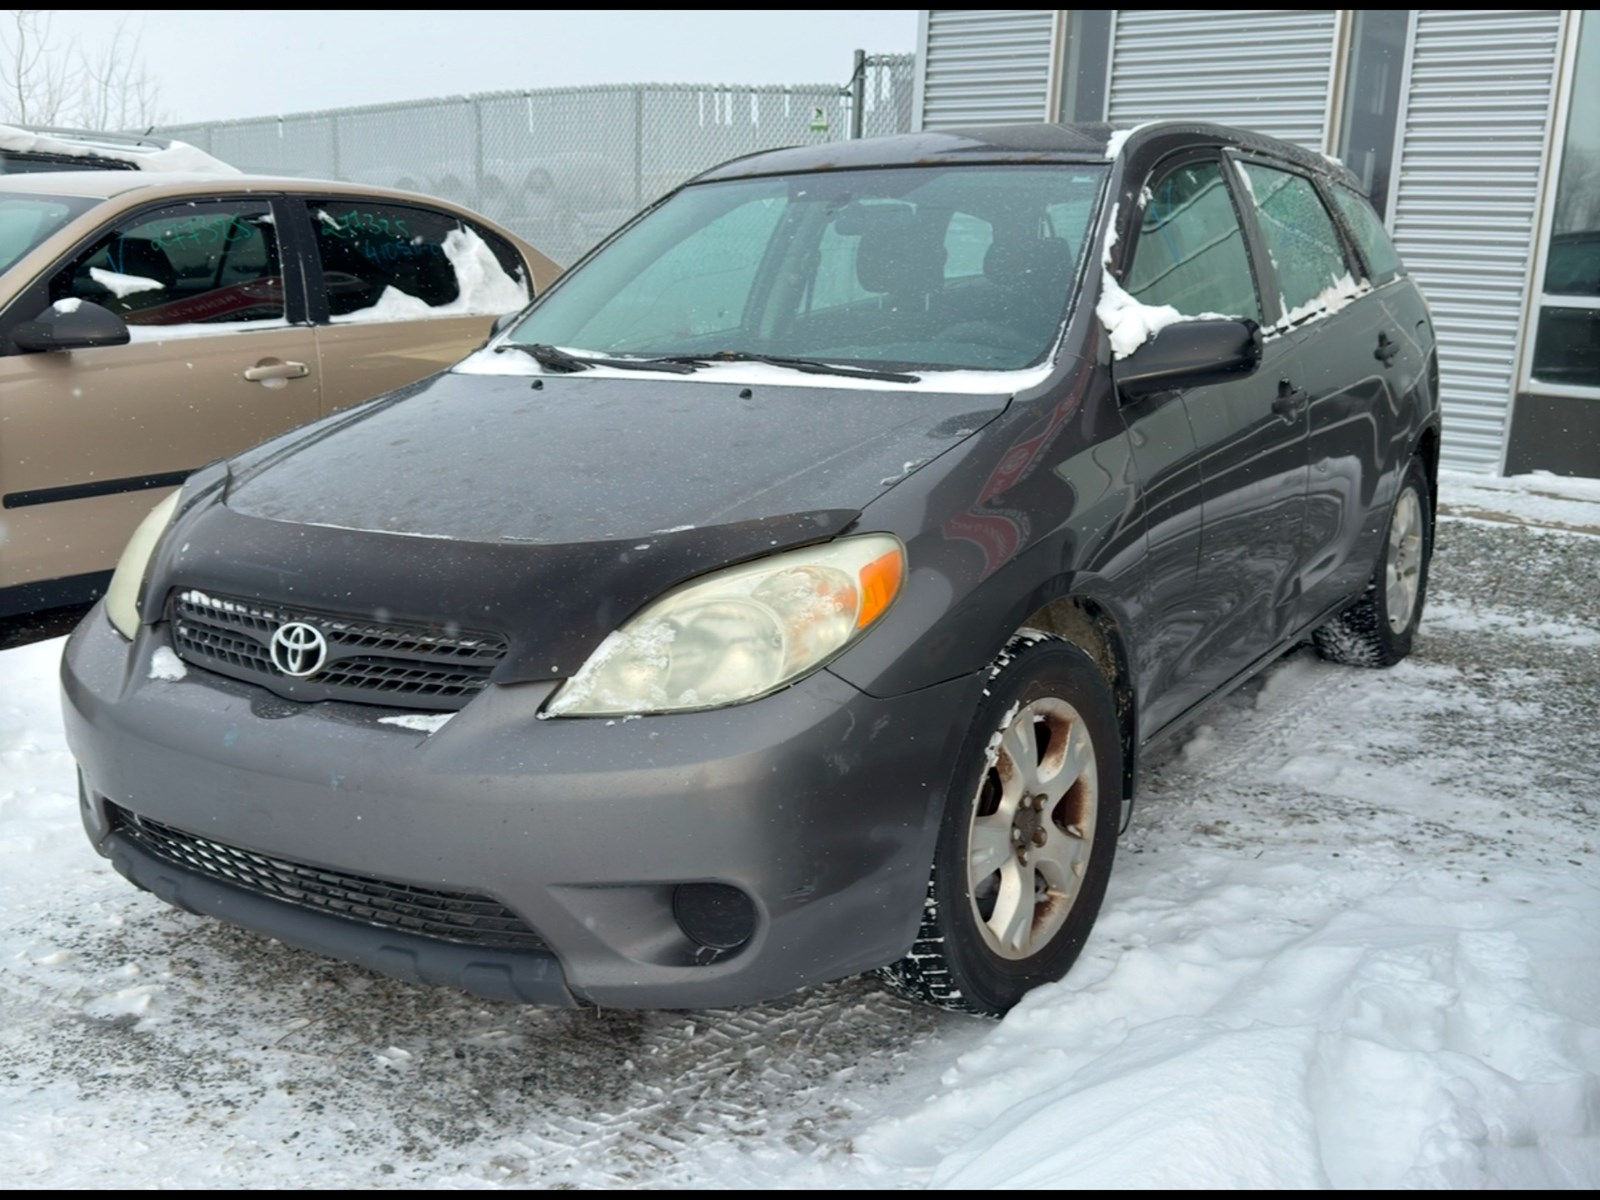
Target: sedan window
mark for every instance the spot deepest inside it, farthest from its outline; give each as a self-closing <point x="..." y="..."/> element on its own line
<point x="1300" y="235"/>
<point x="206" y="264"/>
<point x="391" y="262"/>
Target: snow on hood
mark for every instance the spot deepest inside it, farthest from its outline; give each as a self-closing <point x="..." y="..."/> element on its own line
<point x="177" y="156"/>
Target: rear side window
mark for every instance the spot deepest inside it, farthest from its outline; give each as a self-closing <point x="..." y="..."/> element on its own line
<point x="396" y="262"/>
<point x="1383" y="262"/>
<point x="210" y="263"/>
<point x="1190" y="253"/>
<point x="1300" y="235"/>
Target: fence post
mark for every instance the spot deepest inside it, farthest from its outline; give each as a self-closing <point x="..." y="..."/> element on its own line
<point x="858" y="96"/>
<point x="477" y="162"/>
<point x="638" y="148"/>
<point x="334" y="137"/>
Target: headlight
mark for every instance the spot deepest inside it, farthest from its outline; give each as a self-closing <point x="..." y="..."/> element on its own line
<point x="740" y="633"/>
<point x="122" y="597"/>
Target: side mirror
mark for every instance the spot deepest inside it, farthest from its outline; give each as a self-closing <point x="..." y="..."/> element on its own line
<point x="71" y="325"/>
<point x="1188" y="354"/>
<point x="503" y="322"/>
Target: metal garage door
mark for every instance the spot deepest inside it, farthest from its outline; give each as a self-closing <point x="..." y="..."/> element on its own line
<point x="986" y="67"/>
<point x="1249" y="67"/>
<point x="1473" y="138"/>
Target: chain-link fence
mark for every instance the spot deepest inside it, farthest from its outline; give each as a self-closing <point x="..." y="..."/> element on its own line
<point x="560" y="166"/>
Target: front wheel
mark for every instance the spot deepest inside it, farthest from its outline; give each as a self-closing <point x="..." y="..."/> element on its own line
<point x="1028" y="835"/>
<point x="1378" y="629"/>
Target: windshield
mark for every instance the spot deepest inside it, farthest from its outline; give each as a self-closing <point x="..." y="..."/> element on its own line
<point x="955" y="267"/>
<point x="25" y="221"/>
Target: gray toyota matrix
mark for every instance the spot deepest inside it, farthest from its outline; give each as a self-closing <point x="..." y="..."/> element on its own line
<point x="792" y="590"/>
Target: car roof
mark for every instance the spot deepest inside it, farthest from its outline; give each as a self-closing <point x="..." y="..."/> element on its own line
<point x="1040" y="142"/>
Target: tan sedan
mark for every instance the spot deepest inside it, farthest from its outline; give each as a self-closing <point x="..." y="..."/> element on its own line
<point x="152" y="323"/>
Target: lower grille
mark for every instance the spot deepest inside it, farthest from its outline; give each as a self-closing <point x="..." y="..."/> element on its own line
<point x="449" y="916"/>
<point x="366" y="661"/>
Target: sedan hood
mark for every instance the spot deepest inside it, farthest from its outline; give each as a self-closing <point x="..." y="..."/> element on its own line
<point x="485" y="459"/>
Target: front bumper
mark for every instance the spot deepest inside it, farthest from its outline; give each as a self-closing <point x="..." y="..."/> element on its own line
<point x="819" y="803"/>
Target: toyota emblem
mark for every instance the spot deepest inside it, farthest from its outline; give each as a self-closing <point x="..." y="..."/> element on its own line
<point x="299" y="650"/>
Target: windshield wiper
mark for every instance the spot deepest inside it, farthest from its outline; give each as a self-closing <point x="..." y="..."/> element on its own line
<point x="559" y="360"/>
<point x="810" y="366"/>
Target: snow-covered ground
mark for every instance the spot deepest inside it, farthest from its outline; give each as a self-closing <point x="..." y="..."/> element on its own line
<point x="1353" y="940"/>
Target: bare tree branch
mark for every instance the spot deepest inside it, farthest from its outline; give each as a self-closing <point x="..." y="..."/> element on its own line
<point x="109" y="89"/>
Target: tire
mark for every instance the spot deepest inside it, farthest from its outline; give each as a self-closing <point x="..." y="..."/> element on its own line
<point x="1378" y="629"/>
<point x="1046" y="728"/>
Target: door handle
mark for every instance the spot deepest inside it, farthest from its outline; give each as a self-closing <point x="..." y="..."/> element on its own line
<point x="1386" y="349"/>
<point x="1291" y="401"/>
<point x="269" y="369"/>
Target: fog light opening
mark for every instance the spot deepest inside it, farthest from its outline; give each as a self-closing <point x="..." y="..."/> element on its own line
<point x="714" y="915"/>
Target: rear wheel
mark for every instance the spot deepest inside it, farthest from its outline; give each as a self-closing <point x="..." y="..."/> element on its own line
<point x="1028" y="835"/>
<point x="1378" y="629"/>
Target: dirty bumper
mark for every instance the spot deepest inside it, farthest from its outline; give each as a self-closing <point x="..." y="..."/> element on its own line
<point x="680" y="861"/>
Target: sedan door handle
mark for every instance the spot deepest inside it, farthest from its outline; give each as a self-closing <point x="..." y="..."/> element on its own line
<point x="1386" y="349"/>
<point x="269" y="369"/>
<point x="1291" y="401"/>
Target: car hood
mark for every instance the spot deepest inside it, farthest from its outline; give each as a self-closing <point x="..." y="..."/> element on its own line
<point x="551" y="515"/>
<point x="486" y="459"/>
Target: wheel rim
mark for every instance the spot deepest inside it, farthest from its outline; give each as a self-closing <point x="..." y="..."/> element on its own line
<point x="1032" y="828"/>
<point x="1403" y="567"/>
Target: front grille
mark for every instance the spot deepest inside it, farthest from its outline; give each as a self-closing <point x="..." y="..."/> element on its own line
<point x="372" y="662"/>
<point x="449" y="916"/>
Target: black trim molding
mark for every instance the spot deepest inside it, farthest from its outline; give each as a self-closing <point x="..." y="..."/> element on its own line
<point x="100" y="487"/>
<point x="53" y="593"/>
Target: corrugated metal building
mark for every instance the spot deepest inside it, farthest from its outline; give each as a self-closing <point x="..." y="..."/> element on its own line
<point x="1476" y="131"/>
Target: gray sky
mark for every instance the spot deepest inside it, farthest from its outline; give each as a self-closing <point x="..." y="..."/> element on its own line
<point x="217" y="63"/>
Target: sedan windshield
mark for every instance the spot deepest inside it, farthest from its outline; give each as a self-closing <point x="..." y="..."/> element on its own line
<point x="25" y="221"/>
<point x="933" y="267"/>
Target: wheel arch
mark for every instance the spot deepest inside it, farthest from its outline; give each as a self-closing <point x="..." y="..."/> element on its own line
<point x="1093" y="628"/>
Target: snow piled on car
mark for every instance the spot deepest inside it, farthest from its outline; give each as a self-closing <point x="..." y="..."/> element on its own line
<point x="1128" y="322"/>
<point x="486" y="289"/>
<point x="176" y="156"/>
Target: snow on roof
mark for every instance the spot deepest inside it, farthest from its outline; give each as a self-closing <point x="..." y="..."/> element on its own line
<point x="147" y="156"/>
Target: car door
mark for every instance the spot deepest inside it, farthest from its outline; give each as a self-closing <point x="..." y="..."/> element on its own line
<point x="1239" y="447"/>
<point x="1349" y="348"/>
<point x="400" y="291"/>
<point x="92" y="438"/>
